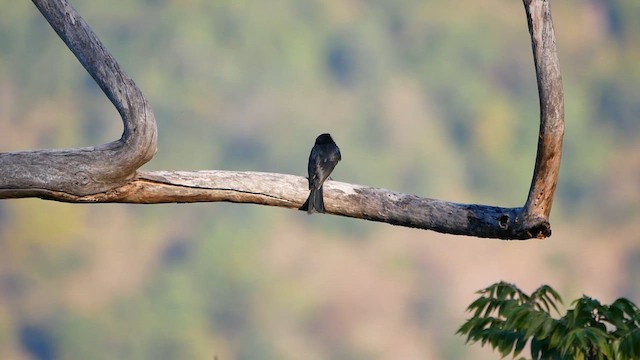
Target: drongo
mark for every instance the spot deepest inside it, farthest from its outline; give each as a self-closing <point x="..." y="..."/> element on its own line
<point x="324" y="156"/>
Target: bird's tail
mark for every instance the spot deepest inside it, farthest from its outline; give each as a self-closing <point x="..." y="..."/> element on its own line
<point x="315" y="202"/>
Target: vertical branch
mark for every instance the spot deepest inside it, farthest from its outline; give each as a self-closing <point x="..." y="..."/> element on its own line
<point x="545" y="55"/>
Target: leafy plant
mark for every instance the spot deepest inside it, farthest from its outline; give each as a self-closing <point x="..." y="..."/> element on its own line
<point x="507" y="318"/>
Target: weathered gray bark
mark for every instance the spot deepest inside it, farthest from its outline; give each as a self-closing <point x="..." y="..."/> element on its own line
<point x="93" y="169"/>
<point x="545" y="54"/>
<point x="108" y="173"/>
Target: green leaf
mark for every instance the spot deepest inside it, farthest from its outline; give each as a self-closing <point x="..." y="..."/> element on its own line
<point x="537" y="320"/>
<point x="546" y="329"/>
<point x="629" y="346"/>
<point x="536" y="349"/>
<point x="558" y="336"/>
<point x="492" y="305"/>
<point x="581" y="341"/>
<point x="478" y="305"/>
<point x="520" y="343"/>
<point x="543" y="304"/>
<point x="518" y="318"/>
<point x="629" y="309"/>
<point x="504" y="290"/>
<point x="466" y="327"/>
<point x="508" y="306"/>
<point x="616" y="317"/>
<point x="548" y="296"/>
<point x="505" y="341"/>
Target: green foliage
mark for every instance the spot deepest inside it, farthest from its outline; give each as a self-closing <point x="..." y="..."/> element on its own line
<point x="507" y="318"/>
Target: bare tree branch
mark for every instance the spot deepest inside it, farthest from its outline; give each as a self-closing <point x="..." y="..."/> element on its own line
<point x="290" y="191"/>
<point x="92" y="169"/>
<point x="545" y="55"/>
<point x="95" y="176"/>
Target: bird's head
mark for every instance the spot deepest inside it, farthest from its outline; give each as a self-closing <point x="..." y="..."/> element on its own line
<point x="324" y="139"/>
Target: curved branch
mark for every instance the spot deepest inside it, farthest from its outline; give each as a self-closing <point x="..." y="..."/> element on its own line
<point x="107" y="173"/>
<point x="545" y="55"/>
<point x="92" y="169"/>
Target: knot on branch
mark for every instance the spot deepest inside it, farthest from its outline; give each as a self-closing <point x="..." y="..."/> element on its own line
<point x="503" y="222"/>
<point x="540" y="231"/>
<point x="81" y="178"/>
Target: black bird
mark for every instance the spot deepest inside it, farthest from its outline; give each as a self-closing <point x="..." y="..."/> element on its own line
<point x="324" y="156"/>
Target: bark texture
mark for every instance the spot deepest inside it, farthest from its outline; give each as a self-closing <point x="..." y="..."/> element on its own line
<point x="107" y="173"/>
<point x="547" y="167"/>
<point x="92" y="169"/>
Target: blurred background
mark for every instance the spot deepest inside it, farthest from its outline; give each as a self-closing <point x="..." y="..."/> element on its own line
<point x="431" y="98"/>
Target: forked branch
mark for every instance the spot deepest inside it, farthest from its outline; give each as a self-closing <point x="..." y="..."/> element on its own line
<point x="87" y="170"/>
<point x="107" y="173"/>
